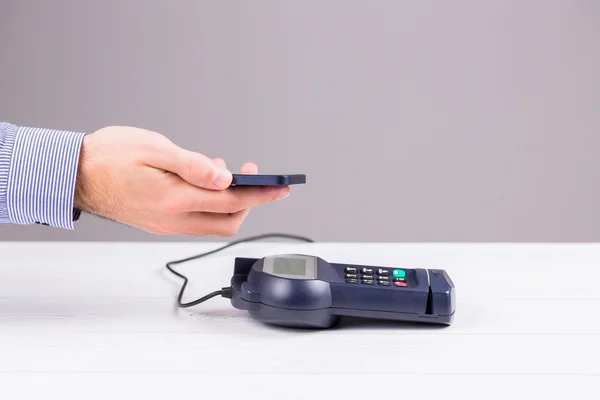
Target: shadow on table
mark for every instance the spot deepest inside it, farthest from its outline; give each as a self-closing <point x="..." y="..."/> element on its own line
<point x="356" y="323"/>
<point x="348" y="324"/>
<point x="345" y="323"/>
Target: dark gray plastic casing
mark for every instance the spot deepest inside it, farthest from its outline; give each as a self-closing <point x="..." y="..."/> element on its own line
<point x="320" y="302"/>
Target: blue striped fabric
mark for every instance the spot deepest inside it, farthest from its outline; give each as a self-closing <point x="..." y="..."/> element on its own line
<point x="38" y="168"/>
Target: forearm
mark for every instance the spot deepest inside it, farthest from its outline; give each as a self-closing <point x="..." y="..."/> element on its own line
<point x="38" y="170"/>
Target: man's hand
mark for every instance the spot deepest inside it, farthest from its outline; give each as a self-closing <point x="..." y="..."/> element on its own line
<point x="142" y="179"/>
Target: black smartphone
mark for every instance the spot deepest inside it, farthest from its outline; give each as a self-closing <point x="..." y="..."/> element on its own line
<point x="267" y="180"/>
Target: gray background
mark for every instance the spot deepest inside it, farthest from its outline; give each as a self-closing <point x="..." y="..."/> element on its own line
<point x="414" y="121"/>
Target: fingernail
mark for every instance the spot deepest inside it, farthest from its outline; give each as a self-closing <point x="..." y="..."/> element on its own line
<point x="222" y="178"/>
<point x="285" y="193"/>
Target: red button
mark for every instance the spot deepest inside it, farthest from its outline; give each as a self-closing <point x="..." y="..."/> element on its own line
<point x="399" y="283"/>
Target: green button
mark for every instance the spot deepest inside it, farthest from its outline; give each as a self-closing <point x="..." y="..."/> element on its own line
<point x="398" y="273"/>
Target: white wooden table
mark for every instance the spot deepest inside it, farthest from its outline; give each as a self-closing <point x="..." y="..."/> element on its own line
<point x="98" y="321"/>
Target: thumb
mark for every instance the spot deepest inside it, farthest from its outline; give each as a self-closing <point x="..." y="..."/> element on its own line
<point x="202" y="171"/>
<point x="194" y="168"/>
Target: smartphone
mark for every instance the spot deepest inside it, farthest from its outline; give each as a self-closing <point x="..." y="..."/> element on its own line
<point x="267" y="180"/>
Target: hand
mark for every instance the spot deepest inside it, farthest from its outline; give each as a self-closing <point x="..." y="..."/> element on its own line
<point x="142" y="179"/>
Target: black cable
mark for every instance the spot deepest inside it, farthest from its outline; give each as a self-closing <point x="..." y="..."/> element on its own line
<point x="226" y="291"/>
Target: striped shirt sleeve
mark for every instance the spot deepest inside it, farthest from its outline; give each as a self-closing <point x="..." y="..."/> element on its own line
<point x="38" y="168"/>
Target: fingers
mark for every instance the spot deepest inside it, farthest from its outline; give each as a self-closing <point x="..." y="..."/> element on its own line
<point x="187" y="198"/>
<point x="249" y="169"/>
<point x="200" y="212"/>
<point x="194" y="168"/>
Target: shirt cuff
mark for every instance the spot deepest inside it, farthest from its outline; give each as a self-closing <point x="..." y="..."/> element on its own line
<point x="41" y="178"/>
